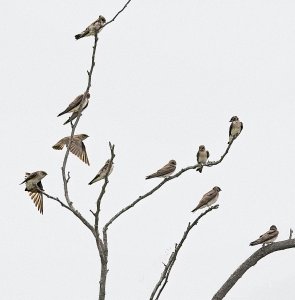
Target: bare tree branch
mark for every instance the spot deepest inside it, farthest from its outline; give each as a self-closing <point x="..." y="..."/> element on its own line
<point x="209" y="164"/>
<point x="160" y="285"/>
<point x="71" y="208"/>
<point x="56" y="199"/>
<point x="213" y="163"/>
<point x="114" y="18"/>
<point x="291" y="233"/>
<point x="250" y="262"/>
<point x="65" y="180"/>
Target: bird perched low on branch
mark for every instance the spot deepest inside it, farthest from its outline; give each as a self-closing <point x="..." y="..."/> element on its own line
<point x="202" y="157"/>
<point x="235" y="128"/>
<point x="34" y="187"/>
<point x="77" y="146"/>
<point x="103" y="172"/>
<point x="93" y="28"/>
<point x="268" y="237"/>
<point x="74" y="107"/>
<point x="165" y="171"/>
<point x="208" y="199"/>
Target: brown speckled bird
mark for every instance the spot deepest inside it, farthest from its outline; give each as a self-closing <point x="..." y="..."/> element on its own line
<point x="103" y="172"/>
<point x="77" y="146"/>
<point x="268" y="237"/>
<point x="34" y="186"/>
<point x="74" y="107"/>
<point x="165" y="171"/>
<point x="93" y="28"/>
<point x="209" y="198"/>
<point x="202" y="157"/>
<point x="235" y="128"/>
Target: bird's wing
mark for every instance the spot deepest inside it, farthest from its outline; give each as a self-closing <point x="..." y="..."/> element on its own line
<point x="270" y="234"/>
<point x="198" y="155"/>
<point x="60" y="144"/>
<point x="40" y="186"/>
<point x="241" y="126"/>
<point x="78" y="149"/>
<point x="37" y="198"/>
<point x="165" y="170"/>
<point x="72" y="105"/>
<point x="208" y="197"/>
<point x="208" y="154"/>
<point x="29" y="176"/>
<point x="230" y="128"/>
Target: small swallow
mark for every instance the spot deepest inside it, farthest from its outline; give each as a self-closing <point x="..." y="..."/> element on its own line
<point x="34" y="186"/>
<point x="235" y="128"/>
<point x="209" y="198"/>
<point x="77" y="146"/>
<point x="202" y="157"/>
<point x="103" y="172"/>
<point x="165" y="171"/>
<point x="74" y="107"/>
<point x="93" y="28"/>
<point x="268" y="237"/>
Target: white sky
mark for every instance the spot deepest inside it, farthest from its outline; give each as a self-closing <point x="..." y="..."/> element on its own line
<point x="169" y="76"/>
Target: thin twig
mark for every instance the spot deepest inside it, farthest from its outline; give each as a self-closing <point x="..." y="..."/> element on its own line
<point x="69" y="177"/>
<point x="291" y="233"/>
<point x="209" y="164"/>
<point x="113" y="19"/>
<point x="56" y="199"/>
<point x="213" y="163"/>
<point x="71" y="209"/>
<point x="159" y="287"/>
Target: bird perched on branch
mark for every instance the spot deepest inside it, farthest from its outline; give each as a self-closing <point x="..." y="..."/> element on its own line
<point x="103" y="172"/>
<point x="165" y="171"/>
<point x="34" y="187"/>
<point x="235" y="128"/>
<point x="74" y="107"/>
<point x="209" y="198"/>
<point x="93" y="28"/>
<point x="202" y="157"/>
<point x="268" y="237"/>
<point x="77" y="146"/>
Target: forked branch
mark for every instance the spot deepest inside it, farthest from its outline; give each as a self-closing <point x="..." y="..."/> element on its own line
<point x="209" y="164"/>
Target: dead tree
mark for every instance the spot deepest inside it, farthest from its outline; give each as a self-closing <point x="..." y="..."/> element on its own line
<point x="100" y="232"/>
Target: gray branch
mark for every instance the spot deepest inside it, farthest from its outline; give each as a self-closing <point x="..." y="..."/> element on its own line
<point x="114" y="18"/>
<point x="250" y="262"/>
<point x="208" y="164"/>
<point x="70" y="208"/>
<point x="160" y="285"/>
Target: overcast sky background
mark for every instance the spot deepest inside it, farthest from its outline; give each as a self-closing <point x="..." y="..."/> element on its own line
<point x="169" y="76"/>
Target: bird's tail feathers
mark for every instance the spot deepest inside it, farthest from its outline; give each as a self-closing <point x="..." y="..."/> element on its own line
<point x="71" y="118"/>
<point x="80" y="35"/>
<point x="62" y="113"/>
<point x="254" y="243"/>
